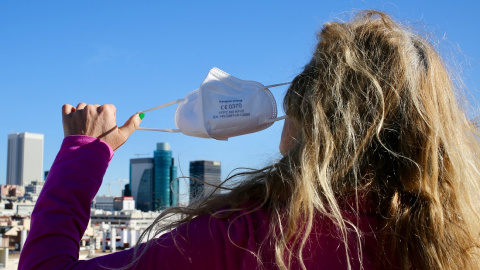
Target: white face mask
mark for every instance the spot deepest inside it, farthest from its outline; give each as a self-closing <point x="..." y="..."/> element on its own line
<point x="224" y="107"/>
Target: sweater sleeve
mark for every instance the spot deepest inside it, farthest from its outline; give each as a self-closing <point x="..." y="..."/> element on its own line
<point x="62" y="211"/>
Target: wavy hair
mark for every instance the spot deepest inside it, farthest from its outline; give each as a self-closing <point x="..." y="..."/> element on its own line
<point x="377" y="120"/>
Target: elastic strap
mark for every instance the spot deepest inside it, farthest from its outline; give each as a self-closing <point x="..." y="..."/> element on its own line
<point x="160" y="129"/>
<point x="281" y="117"/>
<point x="159" y="107"/>
<point x="165" y="105"/>
<point x="275" y="85"/>
<point x="275" y="119"/>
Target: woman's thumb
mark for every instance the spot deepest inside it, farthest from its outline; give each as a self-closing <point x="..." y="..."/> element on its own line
<point x="131" y="125"/>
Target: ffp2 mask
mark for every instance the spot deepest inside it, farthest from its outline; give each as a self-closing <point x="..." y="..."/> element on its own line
<point x="224" y="107"/>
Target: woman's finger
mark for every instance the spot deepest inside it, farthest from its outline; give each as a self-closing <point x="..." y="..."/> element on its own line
<point x="67" y="109"/>
<point x="109" y="108"/>
<point x="131" y="125"/>
<point x="81" y="105"/>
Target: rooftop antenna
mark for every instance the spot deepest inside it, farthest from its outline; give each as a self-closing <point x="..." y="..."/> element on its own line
<point x="141" y="154"/>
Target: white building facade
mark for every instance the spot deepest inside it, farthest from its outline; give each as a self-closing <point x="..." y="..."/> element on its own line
<point x="25" y="158"/>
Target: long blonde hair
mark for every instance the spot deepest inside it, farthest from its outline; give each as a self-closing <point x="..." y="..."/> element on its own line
<point x="377" y="120"/>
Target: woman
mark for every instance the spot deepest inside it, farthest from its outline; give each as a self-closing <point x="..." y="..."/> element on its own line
<point x="380" y="169"/>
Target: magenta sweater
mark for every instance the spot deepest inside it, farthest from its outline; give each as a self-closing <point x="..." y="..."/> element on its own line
<point x="62" y="212"/>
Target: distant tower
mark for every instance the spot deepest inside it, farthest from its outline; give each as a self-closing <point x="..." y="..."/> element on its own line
<point x="151" y="179"/>
<point x="141" y="177"/>
<point x="25" y="158"/>
<point x="164" y="173"/>
<point x="206" y="171"/>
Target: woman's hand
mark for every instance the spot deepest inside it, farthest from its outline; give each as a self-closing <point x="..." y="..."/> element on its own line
<point x="99" y="122"/>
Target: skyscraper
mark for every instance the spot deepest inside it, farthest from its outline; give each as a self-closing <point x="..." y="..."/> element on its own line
<point x="151" y="180"/>
<point x="141" y="178"/>
<point x="163" y="174"/>
<point x="204" y="171"/>
<point x="25" y="158"/>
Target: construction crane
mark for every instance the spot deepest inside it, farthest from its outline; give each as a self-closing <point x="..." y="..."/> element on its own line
<point x="109" y="191"/>
<point x="121" y="181"/>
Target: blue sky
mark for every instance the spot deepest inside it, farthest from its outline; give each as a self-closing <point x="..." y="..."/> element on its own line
<point x="137" y="55"/>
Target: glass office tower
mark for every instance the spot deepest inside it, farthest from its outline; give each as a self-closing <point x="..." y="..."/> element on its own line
<point x="204" y="176"/>
<point x="152" y="180"/>
<point x="165" y="192"/>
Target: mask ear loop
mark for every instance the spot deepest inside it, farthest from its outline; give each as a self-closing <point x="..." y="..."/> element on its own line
<point x="165" y="105"/>
<point x="159" y="107"/>
<point x="276" y="119"/>
<point x="281" y="117"/>
<point x="275" y="85"/>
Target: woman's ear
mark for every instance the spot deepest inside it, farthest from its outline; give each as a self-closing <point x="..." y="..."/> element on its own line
<point x="289" y="135"/>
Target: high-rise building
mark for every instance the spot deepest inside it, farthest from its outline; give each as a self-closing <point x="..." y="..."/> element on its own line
<point x="141" y="181"/>
<point x="152" y="184"/>
<point x="165" y="192"/>
<point x="25" y="158"/>
<point x="201" y="172"/>
<point x="127" y="191"/>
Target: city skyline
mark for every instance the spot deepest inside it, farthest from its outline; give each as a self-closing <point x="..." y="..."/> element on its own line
<point x="21" y="145"/>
